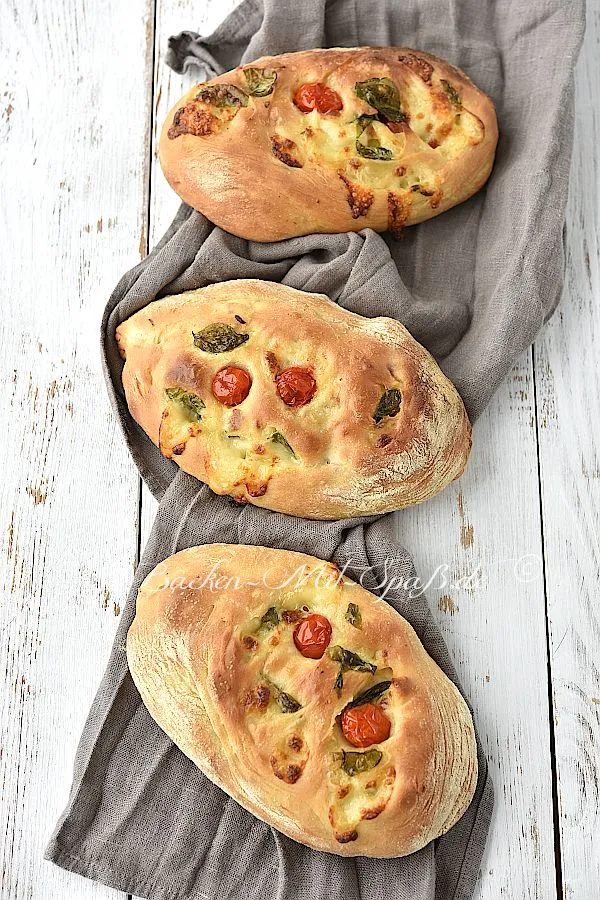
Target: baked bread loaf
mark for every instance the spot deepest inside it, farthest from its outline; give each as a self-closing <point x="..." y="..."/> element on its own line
<point x="306" y="698"/>
<point x="330" y="141"/>
<point x="283" y="399"/>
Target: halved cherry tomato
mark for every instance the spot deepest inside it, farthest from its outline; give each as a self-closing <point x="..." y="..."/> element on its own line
<point x="365" y="725"/>
<point x="317" y="95"/>
<point x="231" y="385"/>
<point x="312" y="636"/>
<point x="296" y="386"/>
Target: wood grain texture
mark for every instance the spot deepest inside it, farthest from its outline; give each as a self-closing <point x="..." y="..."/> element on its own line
<point x="479" y="545"/>
<point x="73" y="156"/>
<point x="75" y="219"/>
<point x="568" y="395"/>
<point x="172" y="16"/>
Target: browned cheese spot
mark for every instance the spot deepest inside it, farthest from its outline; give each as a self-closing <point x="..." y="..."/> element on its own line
<point x="292" y="615"/>
<point x="359" y="198"/>
<point x="420" y="66"/>
<point x="192" y="119"/>
<point x="288" y="772"/>
<point x="295" y="743"/>
<point x="383" y="441"/>
<point x="374" y="811"/>
<point x="257" y="490"/>
<point x="398" y="212"/>
<point x="249" y="642"/>
<point x="263" y="695"/>
<point x="282" y="149"/>
<point x="272" y="363"/>
<point x="346" y="836"/>
<point x="258" y="698"/>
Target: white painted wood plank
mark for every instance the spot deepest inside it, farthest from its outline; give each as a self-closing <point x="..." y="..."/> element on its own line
<point x="484" y="531"/>
<point x="74" y="128"/>
<point x="172" y="16"/>
<point x="568" y="392"/>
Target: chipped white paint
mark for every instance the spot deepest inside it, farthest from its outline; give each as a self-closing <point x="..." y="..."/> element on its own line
<point x="568" y="393"/>
<point x="68" y="499"/>
<point x="74" y="97"/>
<point x="479" y="543"/>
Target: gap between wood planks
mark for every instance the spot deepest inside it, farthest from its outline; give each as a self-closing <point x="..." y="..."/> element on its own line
<point x="553" y="767"/>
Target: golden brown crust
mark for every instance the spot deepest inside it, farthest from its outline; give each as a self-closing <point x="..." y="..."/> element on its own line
<point x="221" y="164"/>
<point x="338" y="460"/>
<point x="214" y="693"/>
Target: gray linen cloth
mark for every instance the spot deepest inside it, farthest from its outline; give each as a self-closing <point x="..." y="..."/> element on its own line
<point x="474" y="286"/>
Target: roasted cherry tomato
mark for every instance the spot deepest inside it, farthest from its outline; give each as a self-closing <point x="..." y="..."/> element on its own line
<point x="317" y="95"/>
<point x="231" y="385"/>
<point x="296" y="386"/>
<point x="365" y="725"/>
<point x="312" y="636"/>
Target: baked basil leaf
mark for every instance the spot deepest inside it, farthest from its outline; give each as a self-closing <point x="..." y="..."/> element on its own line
<point x="451" y="92"/>
<point x="286" y="703"/>
<point x="389" y="405"/>
<point x="278" y="438"/>
<point x="269" y="620"/>
<point x="223" y="95"/>
<point x="371" y="694"/>
<point x="260" y="81"/>
<point x="369" y="151"/>
<point x="218" y="338"/>
<point x="191" y="403"/>
<point x="348" y="660"/>
<point x="353" y="615"/>
<point x="382" y="94"/>
<point x="354" y="763"/>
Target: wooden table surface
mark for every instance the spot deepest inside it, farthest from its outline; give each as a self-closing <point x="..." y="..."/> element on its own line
<point x="511" y="553"/>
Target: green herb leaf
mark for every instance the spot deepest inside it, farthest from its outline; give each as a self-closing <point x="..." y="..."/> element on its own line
<point x="354" y="763"/>
<point x="381" y="153"/>
<point x="369" y="151"/>
<point x="269" y="620"/>
<point x="353" y="615"/>
<point x="260" y="81"/>
<point x="382" y="94"/>
<point x="191" y="403"/>
<point x="278" y="438"/>
<point x="286" y="703"/>
<point x="348" y="660"/>
<point x="371" y="694"/>
<point x="218" y="338"/>
<point x="451" y="92"/>
<point x="389" y="405"/>
<point x="223" y="95"/>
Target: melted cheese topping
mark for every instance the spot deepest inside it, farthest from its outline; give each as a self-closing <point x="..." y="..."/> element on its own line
<point x="438" y="129"/>
<point x="284" y="741"/>
<point x="237" y="443"/>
